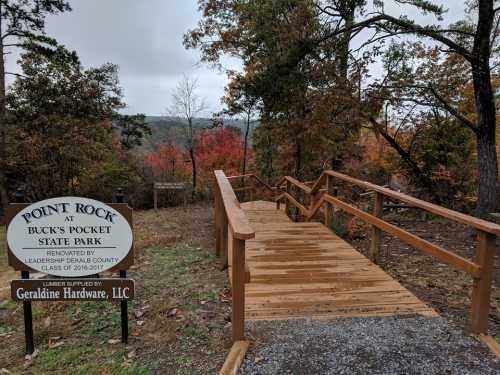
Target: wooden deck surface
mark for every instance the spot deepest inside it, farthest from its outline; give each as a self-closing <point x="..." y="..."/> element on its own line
<point x="303" y="270"/>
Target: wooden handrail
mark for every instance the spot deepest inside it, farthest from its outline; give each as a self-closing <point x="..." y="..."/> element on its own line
<point x="295" y="182"/>
<point x="481" y="268"/>
<point x="231" y="231"/>
<point x="255" y="177"/>
<point x="472" y="221"/>
<point x="235" y="215"/>
<point x="438" y="252"/>
<point x="426" y="246"/>
<point x="292" y="200"/>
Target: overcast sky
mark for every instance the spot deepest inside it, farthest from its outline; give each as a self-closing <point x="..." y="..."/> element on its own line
<point x="145" y="39"/>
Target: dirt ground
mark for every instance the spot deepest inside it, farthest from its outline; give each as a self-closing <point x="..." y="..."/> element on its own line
<point x="179" y="321"/>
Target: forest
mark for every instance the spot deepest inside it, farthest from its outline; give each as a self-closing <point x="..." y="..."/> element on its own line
<point x="404" y="100"/>
<point x="369" y="126"/>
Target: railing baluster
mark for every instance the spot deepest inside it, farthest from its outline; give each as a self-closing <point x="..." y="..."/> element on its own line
<point x="328" y="208"/>
<point x="217" y="214"/>
<point x="287" y="202"/>
<point x="224" y="238"/>
<point x="238" y="289"/>
<point x="378" y="207"/>
<point x="481" y="290"/>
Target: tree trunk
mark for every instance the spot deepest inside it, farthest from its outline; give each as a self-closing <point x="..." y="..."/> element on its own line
<point x="486" y="113"/>
<point x="347" y="12"/>
<point x="4" y="198"/>
<point x="424" y="179"/>
<point x="193" y="163"/>
<point x="298" y="159"/>
<point x="245" y="146"/>
<point x="486" y="143"/>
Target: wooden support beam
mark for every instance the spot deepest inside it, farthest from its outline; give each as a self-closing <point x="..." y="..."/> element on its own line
<point x="292" y="200"/>
<point x="238" y="289"/>
<point x="234" y="214"/>
<point x="224" y="233"/>
<point x="248" y="276"/>
<point x="378" y="207"/>
<point x="218" y="219"/>
<point x="438" y="252"/>
<point x="235" y="358"/>
<point x="492" y="344"/>
<point x="287" y="203"/>
<point x="474" y="222"/>
<point x="481" y="290"/>
<point x="328" y="208"/>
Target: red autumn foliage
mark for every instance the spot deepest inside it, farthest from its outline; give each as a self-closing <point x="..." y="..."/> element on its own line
<point x="220" y="148"/>
<point x="166" y="159"/>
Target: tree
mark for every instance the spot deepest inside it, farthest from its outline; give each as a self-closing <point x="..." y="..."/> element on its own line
<point x="239" y="103"/>
<point x="219" y="148"/>
<point x="297" y="54"/>
<point x="61" y="138"/>
<point x="300" y="98"/>
<point x="186" y="104"/>
<point x="473" y="42"/>
<point x="167" y="160"/>
<point x="132" y="129"/>
<point x="22" y="25"/>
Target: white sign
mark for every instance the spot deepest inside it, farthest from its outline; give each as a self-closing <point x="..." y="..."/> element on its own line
<point x="170" y="185"/>
<point x="69" y="236"/>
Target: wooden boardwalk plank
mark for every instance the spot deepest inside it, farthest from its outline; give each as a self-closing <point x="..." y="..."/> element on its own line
<point x="303" y="270"/>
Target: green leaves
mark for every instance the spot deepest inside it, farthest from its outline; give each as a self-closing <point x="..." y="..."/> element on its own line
<point x="132" y="129"/>
<point x="62" y="138"/>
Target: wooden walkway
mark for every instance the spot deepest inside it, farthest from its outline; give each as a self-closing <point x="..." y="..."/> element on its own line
<point x="303" y="270"/>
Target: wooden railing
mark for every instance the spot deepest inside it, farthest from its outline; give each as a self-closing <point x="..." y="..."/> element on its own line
<point x="251" y="188"/>
<point x="232" y="229"/>
<point x="324" y="193"/>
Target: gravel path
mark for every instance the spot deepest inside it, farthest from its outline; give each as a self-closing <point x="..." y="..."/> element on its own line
<point x="408" y="346"/>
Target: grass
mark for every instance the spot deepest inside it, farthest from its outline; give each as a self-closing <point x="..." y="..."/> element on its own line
<point x="116" y="363"/>
<point x="193" y="295"/>
<point x="177" y="321"/>
<point x="6" y="273"/>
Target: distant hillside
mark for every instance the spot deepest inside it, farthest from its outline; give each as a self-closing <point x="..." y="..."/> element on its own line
<point x="171" y="130"/>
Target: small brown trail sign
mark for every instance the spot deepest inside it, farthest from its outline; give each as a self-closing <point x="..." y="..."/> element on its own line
<point x="71" y="238"/>
<point x="169" y="186"/>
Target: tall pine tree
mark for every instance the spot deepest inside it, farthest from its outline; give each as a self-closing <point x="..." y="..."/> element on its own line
<point x="22" y="25"/>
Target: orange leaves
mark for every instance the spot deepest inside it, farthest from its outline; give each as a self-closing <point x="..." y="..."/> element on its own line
<point x="167" y="159"/>
<point x="220" y="148"/>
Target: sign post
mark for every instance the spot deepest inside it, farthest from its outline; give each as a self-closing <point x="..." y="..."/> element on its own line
<point x="172" y="186"/>
<point x="123" y="274"/>
<point x="73" y="239"/>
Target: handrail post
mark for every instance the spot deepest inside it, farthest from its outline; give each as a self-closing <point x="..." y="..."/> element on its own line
<point x="481" y="290"/>
<point x="378" y="208"/>
<point x="287" y="203"/>
<point x="224" y="238"/>
<point x="238" y="289"/>
<point x="312" y="200"/>
<point x="328" y="208"/>
<point x="217" y="219"/>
